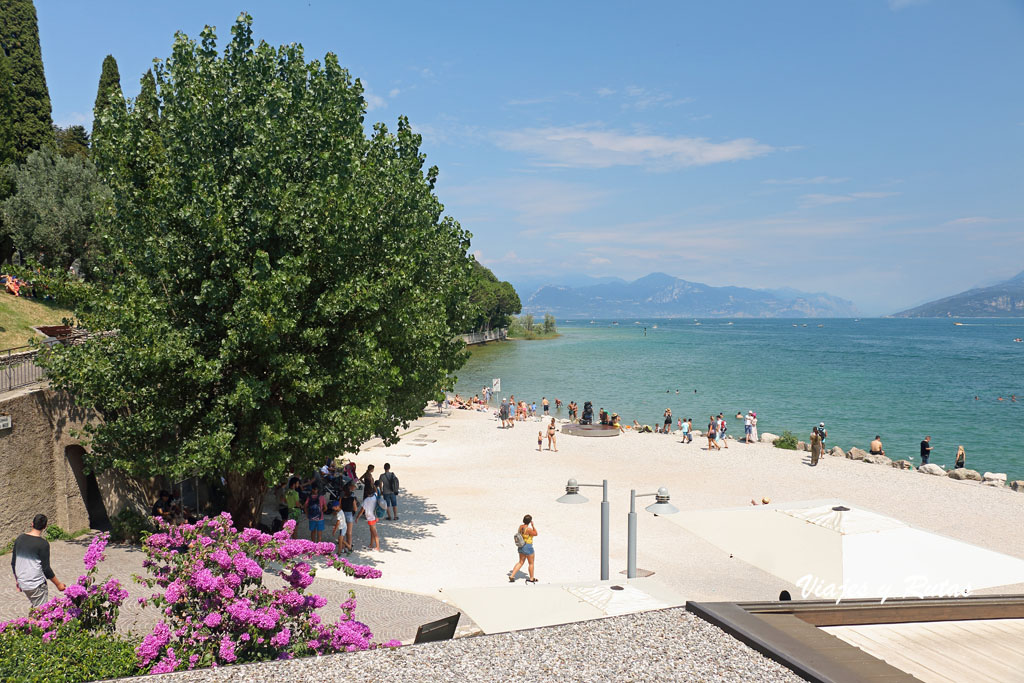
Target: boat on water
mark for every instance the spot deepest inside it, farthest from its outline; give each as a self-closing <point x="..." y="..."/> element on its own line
<point x="959" y="324"/>
<point x="696" y="323"/>
<point x="615" y="322"/>
<point x="821" y="326"/>
<point x="730" y="323"/>
<point x="592" y="322"/>
<point x="1019" y="340"/>
<point x="654" y="327"/>
<point x="795" y="325"/>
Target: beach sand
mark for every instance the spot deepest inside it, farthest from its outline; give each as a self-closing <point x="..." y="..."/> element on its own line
<point x="466" y="484"/>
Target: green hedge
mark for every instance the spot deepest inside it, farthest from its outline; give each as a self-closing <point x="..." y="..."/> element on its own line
<point x="75" y="655"/>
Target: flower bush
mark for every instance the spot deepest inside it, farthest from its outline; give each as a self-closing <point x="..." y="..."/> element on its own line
<point x="86" y="604"/>
<point x="217" y="610"/>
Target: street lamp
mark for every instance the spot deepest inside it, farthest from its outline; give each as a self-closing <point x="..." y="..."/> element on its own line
<point x="574" y="497"/>
<point x="661" y="506"/>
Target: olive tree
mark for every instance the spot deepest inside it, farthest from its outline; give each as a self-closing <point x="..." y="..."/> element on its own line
<point x="283" y="285"/>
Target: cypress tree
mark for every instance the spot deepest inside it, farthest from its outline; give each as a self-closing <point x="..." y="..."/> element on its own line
<point x="110" y="82"/>
<point x="31" y="116"/>
<point x="7" y="149"/>
<point x="147" y="102"/>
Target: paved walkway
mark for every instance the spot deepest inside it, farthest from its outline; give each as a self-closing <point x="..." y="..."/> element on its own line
<point x="388" y="613"/>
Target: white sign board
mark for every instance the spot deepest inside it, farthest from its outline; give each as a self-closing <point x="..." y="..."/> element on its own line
<point x="5" y="421"/>
<point x="496" y="385"/>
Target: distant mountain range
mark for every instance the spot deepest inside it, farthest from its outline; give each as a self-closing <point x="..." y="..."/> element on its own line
<point x="663" y="296"/>
<point x="1002" y="300"/>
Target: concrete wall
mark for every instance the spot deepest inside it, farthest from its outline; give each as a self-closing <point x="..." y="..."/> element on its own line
<point x="41" y="468"/>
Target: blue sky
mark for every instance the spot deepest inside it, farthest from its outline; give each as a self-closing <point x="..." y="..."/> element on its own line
<point x="868" y="148"/>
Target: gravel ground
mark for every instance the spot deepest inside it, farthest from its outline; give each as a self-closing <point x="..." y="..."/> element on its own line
<point x="668" y="644"/>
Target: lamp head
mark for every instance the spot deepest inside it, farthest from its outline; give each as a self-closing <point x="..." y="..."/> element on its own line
<point x="572" y="494"/>
<point x="661" y="504"/>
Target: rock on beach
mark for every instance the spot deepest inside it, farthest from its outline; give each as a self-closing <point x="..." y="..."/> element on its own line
<point x="961" y="474"/>
<point x="802" y="446"/>
<point x="903" y="464"/>
<point x="768" y="437"/>
<point x="932" y="468"/>
<point x="993" y="479"/>
<point x="837" y="452"/>
<point x="877" y="459"/>
<point x="857" y="454"/>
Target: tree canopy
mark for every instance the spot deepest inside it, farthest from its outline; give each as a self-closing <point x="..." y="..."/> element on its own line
<point x="493" y="300"/>
<point x="72" y="141"/>
<point x="110" y="85"/>
<point x="30" y="122"/>
<point x="284" y="286"/>
<point x="52" y="214"/>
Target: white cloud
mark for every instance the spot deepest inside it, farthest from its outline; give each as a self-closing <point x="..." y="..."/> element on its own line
<point x="599" y="261"/>
<point x="605" y="92"/>
<point x="374" y="101"/>
<point x="394" y="92"/>
<point x="811" y="200"/>
<point x="644" y="98"/>
<point x="973" y="220"/>
<point x="535" y="202"/>
<point x="816" y="180"/>
<point x="529" y="101"/>
<point x="591" y="147"/>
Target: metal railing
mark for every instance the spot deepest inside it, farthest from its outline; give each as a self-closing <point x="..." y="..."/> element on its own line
<point x="18" y="368"/>
<point x="485" y="336"/>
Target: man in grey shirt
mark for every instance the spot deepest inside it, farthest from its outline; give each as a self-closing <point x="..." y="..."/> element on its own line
<point x="31" y="564"/>
<point x="388" y="483"/>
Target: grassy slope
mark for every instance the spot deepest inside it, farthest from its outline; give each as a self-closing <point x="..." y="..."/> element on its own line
<point x="18" y="315"/>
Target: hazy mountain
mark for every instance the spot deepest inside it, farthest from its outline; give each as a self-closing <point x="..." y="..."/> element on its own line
<point x="1002" y="300"/>
<point x="663" y="296"/>
<point x="527" y="285"/>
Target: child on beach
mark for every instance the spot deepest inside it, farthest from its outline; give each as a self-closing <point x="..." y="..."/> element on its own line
<point x="540" y="440"/>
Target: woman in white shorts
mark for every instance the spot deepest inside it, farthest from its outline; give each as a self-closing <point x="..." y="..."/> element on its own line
<point x="369" y="503"/>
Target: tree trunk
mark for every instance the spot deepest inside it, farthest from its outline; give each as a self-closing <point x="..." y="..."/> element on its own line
<point x="245" y="497"/>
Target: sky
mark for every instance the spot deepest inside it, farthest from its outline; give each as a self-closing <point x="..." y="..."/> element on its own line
<point x="871" y="149"/>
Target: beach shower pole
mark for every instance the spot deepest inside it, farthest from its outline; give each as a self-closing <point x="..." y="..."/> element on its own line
<point x="605" y="523"/>
<point x="631" y="538"/>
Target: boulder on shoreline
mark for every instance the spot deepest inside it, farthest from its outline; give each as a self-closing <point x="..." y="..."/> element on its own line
<point x="802" y="446"/>
<point x="932" y="468"/>
<point x="877" y="459"/>
<point x="768" y="437"/>
<point x="837" y="452"/>
<point x="1017" y="485"/>
<point x="961" y="474"/>
<point x="993" y="479"/>
<point x="903" y="464"/>
<point x="857" y="454"/>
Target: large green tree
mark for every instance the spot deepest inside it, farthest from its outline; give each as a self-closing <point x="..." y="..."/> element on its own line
<point x="108" y="93"/>
<point x="72" y="141"/>
<point x="494" y="301"/>
<point x="8" y="150"/>
<point x="284" y="288"/>
<point x="52" y="214"/>
<point x="31" y="124"/>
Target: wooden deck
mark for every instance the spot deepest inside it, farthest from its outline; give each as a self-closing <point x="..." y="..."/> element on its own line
<point x="945" y="651"/>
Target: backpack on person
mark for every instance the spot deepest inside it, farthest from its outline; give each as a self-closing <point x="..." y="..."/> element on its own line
<point x="518" y="538"/>
<point x="314" y="511"/>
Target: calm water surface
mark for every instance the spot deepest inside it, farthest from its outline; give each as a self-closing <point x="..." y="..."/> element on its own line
<point x="902" y="379"/>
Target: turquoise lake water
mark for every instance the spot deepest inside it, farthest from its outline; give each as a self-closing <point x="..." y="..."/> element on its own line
<point x="900" y="378"/>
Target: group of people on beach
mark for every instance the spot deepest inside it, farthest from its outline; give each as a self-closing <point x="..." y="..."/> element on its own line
<point x="332" y="492"/>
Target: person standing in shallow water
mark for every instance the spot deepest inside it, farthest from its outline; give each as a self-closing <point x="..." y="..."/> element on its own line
<point x="526" y="553"/>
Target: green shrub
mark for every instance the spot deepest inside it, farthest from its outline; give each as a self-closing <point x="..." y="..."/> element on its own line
<point x="787" y="441"/>
<point x="130" y="526"/>
<point x="55" y="533"/>
<point x="8" y="548"/>
<point x="74" y="655"/>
